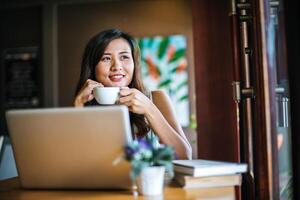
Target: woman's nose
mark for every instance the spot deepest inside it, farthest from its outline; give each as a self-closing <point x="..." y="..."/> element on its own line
<point x="117" y="65"/>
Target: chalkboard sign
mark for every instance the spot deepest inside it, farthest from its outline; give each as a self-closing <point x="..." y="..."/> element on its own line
<point x="22" y="85"/>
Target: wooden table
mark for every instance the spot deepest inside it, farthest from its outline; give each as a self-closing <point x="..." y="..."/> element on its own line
<point x="10" y="189"/>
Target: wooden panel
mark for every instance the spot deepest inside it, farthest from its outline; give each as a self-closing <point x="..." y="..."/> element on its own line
<point x="265" y="134"/>
<point x="216" y="112"/>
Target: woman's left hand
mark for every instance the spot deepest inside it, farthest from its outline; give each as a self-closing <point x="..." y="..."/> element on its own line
<point x="136" y="101"/>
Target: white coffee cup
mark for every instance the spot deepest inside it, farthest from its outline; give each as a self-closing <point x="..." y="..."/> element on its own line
<point x="106" y="95"/>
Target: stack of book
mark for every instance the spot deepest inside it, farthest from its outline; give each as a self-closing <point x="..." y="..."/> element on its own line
<point x="208" y="173"/>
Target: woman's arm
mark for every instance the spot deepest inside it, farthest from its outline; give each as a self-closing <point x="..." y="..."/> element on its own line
<point x="164" y="105"/>
<point x="165" y="127"/>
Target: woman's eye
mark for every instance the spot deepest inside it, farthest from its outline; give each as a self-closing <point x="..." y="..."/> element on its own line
<point x="124" y="57"/>
<point x="106" y="59"/>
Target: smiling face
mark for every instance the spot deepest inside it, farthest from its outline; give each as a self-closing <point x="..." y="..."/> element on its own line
<point x="116" y="66"/>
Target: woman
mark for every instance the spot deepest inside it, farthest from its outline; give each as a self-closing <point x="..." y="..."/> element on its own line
<point x="112" y="58"/>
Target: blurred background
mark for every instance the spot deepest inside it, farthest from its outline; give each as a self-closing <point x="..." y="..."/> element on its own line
<point x="237" y="62"/>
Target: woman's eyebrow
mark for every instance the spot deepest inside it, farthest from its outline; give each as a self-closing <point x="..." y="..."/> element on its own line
<point x="124" y="52"/>
<point x="106" y="53"/>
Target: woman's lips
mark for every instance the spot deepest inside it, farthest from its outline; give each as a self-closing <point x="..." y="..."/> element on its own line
<point x="116" y="77"/>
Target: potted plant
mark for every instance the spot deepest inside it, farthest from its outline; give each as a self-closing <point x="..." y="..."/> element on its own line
<point x="148" y="165"/>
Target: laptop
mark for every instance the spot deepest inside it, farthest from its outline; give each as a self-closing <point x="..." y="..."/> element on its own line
<point x="71" y="148"/>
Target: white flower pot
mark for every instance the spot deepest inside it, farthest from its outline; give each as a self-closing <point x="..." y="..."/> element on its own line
<point x="151" y="180"/>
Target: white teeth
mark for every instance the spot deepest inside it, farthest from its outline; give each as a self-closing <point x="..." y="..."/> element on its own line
<point x="117" y="76"/>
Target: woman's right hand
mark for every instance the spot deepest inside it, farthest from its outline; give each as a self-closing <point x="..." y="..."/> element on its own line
<point x="86" y="93"/>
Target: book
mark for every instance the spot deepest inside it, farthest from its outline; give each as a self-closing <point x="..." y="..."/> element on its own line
<point x="202" y="168"/>
<point x="190" y="182"/>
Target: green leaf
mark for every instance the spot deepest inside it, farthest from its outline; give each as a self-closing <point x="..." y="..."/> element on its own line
<point x="141" y="44"/>
<point x="150" y="42"/>
<point x="183" y="98"/>
<point x="173" y="71"/>
<point x="164" y="83"/>
<point x="169" y="168"/>
<point x="137" y="167"/>
<point x="142" y="154"/>
<point x="193" y="125"/>
<point x="158" y="70"/>
<point x="193" y="122"/>
<point x="178" y="54"/>
<point x="163" y="47"/>
<point x="181" y="85"/>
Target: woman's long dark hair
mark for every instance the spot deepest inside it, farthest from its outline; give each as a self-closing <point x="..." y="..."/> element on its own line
<point x="93" y="52"/>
